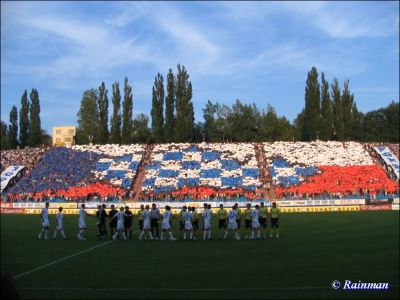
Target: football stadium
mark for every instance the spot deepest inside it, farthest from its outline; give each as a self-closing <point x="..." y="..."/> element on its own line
<point x="335" y="199"/>
<point x="235" y="203"/>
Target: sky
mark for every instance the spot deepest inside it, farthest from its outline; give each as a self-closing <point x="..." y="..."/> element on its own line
<point x="258" y="52"/>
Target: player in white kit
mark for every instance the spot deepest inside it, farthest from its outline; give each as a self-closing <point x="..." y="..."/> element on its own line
<point x="232" y="223"/>
<point x="187" y="216"/>
<point x="44" y="217"/>
<point x="207" y="222"/>
<point x="166" y="225"/>
<point x="120" y="216"/>
<point x="82" y="222"/>
<point x="255" y="223"/>
<point x="146" y="224"/>
<point x="59" y="227"/>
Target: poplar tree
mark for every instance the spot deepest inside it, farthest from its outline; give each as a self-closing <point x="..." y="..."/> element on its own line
<point x="184" y="122"/>
<point x="88" y="117"/>
<point x="24" y="120"/>
<point x="338" y="131"/>
<point x="127" y="106"/>
<point x="157" y="110"/>
<point x="35" y="129"/>
<point x="115" y="134"/>
<point x="103" y="114"/>
<point x="312" y="108"/>
<point x="13" y="128"/>
<point x="326" y="111"/>
<point x="4" y="136"/>
<point x="347" y="107"/>
<point x="169" y="108"/>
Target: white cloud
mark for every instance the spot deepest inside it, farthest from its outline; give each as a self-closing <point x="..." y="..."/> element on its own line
<point x="347" y="20"/>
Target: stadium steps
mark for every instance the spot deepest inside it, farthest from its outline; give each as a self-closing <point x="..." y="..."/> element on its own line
<point x="137" y="184"/>
<point x="261" y="163"/>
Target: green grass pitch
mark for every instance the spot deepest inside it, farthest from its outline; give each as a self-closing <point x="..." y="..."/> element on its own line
<point x="313" y="250"/>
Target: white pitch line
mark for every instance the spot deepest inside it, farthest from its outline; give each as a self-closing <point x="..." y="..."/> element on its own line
<point x="65" y="258"/>
<point x="180" y="289"/>
<point x="186" y="289"/>
<point x="62" y="259"/>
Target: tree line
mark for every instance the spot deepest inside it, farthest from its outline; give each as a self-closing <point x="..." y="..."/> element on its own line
<point x="26" y="131"/>
<point x="330" y="113"/>
<point x="176" y="124"/>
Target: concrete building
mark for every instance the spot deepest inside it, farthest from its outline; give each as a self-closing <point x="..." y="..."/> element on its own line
<point x="64" y="135"/>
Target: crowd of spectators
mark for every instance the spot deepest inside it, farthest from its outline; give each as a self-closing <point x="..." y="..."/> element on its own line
<point x="27" y="157"/>
<point x="393" y="148"/>
<point x="325" y="170"/>
<point x="191" y="172"/>
<point x="225" y="168"/>
<point x="81" y="172"/>
<point x="118" y="164"/>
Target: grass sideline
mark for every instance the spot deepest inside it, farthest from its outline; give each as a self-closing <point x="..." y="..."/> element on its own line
<point x="314" y="249"/>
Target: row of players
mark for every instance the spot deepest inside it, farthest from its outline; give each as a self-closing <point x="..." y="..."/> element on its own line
<point x="121" y="222"/>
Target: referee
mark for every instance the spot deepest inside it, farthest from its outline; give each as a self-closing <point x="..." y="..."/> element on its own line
<point x="154" y="216"/>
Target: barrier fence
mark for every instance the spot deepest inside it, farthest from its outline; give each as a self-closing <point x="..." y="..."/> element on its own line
<point x="285" y="206"/>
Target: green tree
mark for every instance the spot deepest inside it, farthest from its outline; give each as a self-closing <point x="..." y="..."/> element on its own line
<point x="24" y="120"/>
<point x="4" y="136"/>
<point x="46" y="138"/>
<point x="357" y="121"/>
<point x="210" y="122"/>
<point x="224" y="127"/>
<point x="270" y="125"/>
<point x="347" y="113"/>
<point x="127" y="107"/>
<point x="312" y="108"/>
<point x="274" y="128"/>
<point x="169" y="108"/>
<point x="35" y="128"/>
<point x="338" y="131"/>
<point x="157" y="109"/>
<point x="382" y="125"/>
<point x="115" y="135"/>
<point x="286" y="130"/>
<point x="393" y="117"/>
<point x="184" y="122"/>
<point x="13" y="128"/>
<point x="198" y="132"/>
<point x="103" y="114"/>
<point x="326" y="111"/>
<point x="244" y="122"/>
<point x="141" y="130"/>
<point x="88" y="118"/>
<point x="299" y="125"/>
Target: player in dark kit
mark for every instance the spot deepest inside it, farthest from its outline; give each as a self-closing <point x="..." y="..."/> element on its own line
<point x="263" y="219"/>
<point x="195" y="221"/>
<point x="154" y="217"/>
<point x="140" y="217"/>
<point x="182" y="220"/>
<point x="247" y="220"/>
<point x="102" y="216"/>
<point x="113" y="222"/>
<point x="222" y="218"/>
<point x="239" y="215"/>
<point x="128" y="222"/>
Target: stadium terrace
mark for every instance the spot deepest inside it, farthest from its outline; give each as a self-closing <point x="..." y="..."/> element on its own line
<point x="181" y="172"/>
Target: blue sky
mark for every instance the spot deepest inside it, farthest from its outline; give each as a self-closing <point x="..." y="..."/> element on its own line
<point x="253" y="51"/>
